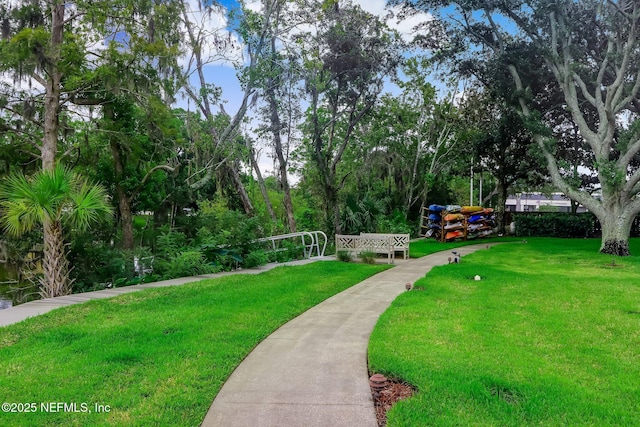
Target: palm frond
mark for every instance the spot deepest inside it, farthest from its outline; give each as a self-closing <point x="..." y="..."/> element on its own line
<point x="59" y="195"/>
<point x="89" y="205"/>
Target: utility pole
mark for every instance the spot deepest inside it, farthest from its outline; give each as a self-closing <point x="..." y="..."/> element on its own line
<point x="471" y="188"/>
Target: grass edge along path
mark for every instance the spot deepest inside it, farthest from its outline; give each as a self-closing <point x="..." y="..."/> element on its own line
<point x="427" y="246"/>
<point x="155" y="357"/>
<point x="549" y="336"/>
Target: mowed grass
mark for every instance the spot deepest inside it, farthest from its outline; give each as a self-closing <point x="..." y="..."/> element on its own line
<point x="156" y="357"/>
<point x="423" y="247"/>
<point x="550" y="336"/>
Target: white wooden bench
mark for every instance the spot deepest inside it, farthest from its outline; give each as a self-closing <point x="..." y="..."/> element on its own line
<point x="374" y="243"/>
<point x="399" y="242"/>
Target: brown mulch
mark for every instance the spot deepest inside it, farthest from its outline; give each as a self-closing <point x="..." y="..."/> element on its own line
<point x="392" y="393"/>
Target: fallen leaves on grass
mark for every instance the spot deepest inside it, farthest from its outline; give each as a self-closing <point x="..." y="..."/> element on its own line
<point x="385" y="399"/>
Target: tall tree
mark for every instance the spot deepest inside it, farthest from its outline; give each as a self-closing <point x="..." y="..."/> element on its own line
<point x="62" y="56"/>
<point x="204" y="46"/>
<point x="409" y="140"/>
<point x="278" y="79"/>
<point x="345" y="63"/>
<point x="140" y="144"/>
<point x="54" y="199"/>
<point x="502" y="145"/>
<point x="591" y="49"/>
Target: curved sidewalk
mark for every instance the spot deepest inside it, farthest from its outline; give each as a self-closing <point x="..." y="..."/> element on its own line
<point x="313" y="370"/>
<point x="21" y="312"/>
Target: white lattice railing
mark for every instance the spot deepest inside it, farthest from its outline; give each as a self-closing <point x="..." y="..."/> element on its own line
<point x="399" y="242"/>
<point x="375" y="243"/>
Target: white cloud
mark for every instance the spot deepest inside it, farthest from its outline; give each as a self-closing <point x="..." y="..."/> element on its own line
<point x="221" y="46"/>
<point x="405" y="26"/>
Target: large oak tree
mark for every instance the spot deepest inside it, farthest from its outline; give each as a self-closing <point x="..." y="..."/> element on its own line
<point x="590" y="51"/>
<point x="346" y="60"/>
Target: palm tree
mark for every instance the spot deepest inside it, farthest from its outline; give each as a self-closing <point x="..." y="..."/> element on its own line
<point x="54" y="199"/>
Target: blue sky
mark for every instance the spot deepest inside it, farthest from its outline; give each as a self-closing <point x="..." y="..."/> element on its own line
<point x="224" y="74"/>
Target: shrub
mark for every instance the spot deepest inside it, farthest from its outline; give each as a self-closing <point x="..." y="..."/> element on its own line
<point x="555" y="225"/>
<point x="223" y="258"/>
<point x="396" y="223"/>
<point x="188" y="263"/>
<point x="97" y="264"/>
<point x="169" y="243"/>
<point x="344" y="256"/>
<point x="255" y="259"/>
<point x="368" y="257"/>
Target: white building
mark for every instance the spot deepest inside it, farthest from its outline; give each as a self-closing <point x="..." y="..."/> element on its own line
<point x="532" y="202"/>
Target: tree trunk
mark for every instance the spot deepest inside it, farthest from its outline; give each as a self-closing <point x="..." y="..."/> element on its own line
<point x="263" y="188"/>
<point x="332" y="208"/>
<point x="55" y="265"/>
<point x="276" y="126"/>
<point x="615" y="234"/>
<point x="288" y="206"/>
<point x="336" y="217"/>
<point x="124" y="201"/>
<point x="412" y="182"/>
<point x="52" y="285"/>
<point x="242" y="191"/>
<point x="53" y="90"/>
<point x="502" y="203"/>
<point x="126" y="216"/>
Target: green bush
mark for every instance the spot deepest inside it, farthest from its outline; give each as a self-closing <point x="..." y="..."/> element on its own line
<point x="255" y="259"/>
<point x="288" y="251"/>
<point x="344" y="256"/>
<point x="170" y="242"/>
<point x="368" y="257"/>
<point x="97" y="264"/>
<point x="396" y="223"/>
<point x="222" y="257"/>
<point x="555" y="225"/>
<point x="188" y="263"/>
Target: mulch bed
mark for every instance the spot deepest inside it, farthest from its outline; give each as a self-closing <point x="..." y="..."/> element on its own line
<point x="383" y="401"/>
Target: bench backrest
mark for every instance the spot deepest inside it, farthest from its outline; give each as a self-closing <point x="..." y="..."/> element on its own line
<point x="400" y="241"/>
<point x="368" y="243"/>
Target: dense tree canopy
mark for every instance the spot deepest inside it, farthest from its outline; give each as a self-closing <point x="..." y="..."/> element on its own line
<point x="361" y="134"/>
<point x="589" y="54"/>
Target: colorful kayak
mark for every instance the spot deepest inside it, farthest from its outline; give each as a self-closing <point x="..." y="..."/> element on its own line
<point x="476" y="218"/>
<point x="453" y="235"/>
<point x="453" y="226"/>
<point x="452" y="217"/>
<point x="475" y="227"/>
<point x="450" y="222"/>
<point x="471" y="209"/>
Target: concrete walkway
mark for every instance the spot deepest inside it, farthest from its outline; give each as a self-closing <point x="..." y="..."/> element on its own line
<point x="21" y="312"/>
<point x="310" y="372"/>
<point x="313" y="370"/>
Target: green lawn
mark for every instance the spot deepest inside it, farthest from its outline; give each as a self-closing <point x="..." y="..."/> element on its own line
<point x="550" y="336"/>
<point x="422" y="247"/>
<point x="156" y="357"/>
